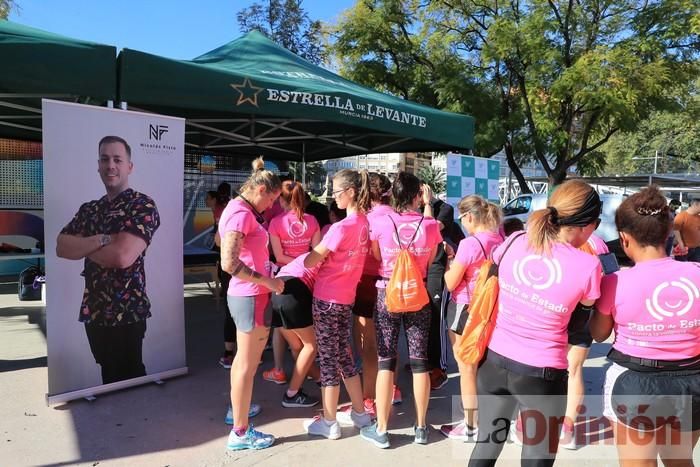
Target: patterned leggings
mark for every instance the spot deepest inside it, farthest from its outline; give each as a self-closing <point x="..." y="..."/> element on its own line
<point x="332" y="329"/>
<point x="388" y="325"/>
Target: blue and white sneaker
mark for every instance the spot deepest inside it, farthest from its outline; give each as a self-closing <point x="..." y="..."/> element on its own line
<point x="254" y="410"/>
<point x="252" y="439"/>
<point x="370" y="434"/>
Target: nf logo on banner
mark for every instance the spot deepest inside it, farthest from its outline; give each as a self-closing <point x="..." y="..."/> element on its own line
<point x="672" y="306"/>
<point x="406" y="232"/>
<point x="296" y="229"/>
<point x="156" y="132"/>
<point x="537" y="272"/>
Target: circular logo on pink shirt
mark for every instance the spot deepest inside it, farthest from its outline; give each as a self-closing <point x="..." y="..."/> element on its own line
<point x="296" y="229"/>
<point x="406" y="232"/>
<point x="364" y="235"/>
<point x="537" y="272"/>
<point x="666" y="304"/>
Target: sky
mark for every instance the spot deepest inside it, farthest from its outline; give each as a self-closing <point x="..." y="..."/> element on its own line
<point x="174" y="29"/>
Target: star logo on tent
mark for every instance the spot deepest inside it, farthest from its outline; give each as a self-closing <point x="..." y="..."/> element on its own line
<point x="248" y="92"/>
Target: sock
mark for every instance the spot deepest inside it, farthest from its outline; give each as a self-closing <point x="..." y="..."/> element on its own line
<point x="291" y="393"/>
<point x="359" y="413"/>
<point x="379" y="432"/>
<point x="328" y="422"/>
<point x="240" y="431"/>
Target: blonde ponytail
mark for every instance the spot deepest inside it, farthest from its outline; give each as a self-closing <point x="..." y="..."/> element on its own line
<point x="260" y="176"/>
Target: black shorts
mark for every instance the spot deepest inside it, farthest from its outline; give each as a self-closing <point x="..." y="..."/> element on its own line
<point x="456" y="316"/>
<point x="646" y="401"/>
<point x="293" y="306"/>
<point x="365" y="297"/>
<point x="579" y="332"/>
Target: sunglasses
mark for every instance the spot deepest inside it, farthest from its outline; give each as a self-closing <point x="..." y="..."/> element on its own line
<point x="336" y="193"/>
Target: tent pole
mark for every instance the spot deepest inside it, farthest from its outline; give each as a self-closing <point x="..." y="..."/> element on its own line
<point x="303" y="165"/>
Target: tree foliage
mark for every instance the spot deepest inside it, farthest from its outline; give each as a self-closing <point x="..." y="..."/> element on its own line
<point x="434" y="177"/>
<point x="549" y="79"/>
<point x="668" y="139"/>
<point x="5" y="7"/>
<point x="287" y="23"/>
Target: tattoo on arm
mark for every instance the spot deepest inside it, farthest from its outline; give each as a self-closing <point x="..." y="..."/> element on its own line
<point x="230" y="254"/>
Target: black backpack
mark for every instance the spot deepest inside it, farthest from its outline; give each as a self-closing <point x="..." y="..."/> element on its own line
<point x="29" y="284"/>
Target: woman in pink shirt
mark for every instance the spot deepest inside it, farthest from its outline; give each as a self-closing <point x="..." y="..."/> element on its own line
<point x="244" y="255"/>
<point x="481" y="220"/>
<point x="292" y="233"/>
<point x="341" y="254"/>
<point x="405" y="228"/>
<point x="366" y="296"/>
<point x="652" y="390"/>
<point x="543" y="277"/>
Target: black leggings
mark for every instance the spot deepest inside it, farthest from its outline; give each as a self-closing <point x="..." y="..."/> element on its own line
<point x="500" y="392"/>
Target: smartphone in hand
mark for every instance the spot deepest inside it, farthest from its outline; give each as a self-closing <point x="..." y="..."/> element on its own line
<point x="609" y="263"/>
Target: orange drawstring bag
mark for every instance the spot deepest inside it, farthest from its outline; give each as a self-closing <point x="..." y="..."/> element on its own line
<point x="482" y="313"/>
<point x="406" y="291"/>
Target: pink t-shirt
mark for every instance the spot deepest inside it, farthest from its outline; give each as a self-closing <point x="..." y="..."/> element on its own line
<point x="296" y="269"/>
<point x="372" y="264"/>
<point x="348" y="242"/>
<point x="325" y="230"/>
<point x="239" y="217"/>
<point x="656" y="309"/>
<point x="295" y="235"/>
<point x="537" y="295"/>
<point x="470" y="254"/>
<point x="598" y="245"/>
<point x="384" y="234"/>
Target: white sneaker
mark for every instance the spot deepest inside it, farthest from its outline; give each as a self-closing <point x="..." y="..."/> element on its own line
<point x="350" y="418"/>
<point x="318" y="426"/>
<point x="568" y="440"/>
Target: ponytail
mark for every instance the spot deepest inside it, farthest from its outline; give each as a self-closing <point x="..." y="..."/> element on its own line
<point x="293" y="194"/>
<point x="298" y="200"/>
<point x="572" y="204"/>
<point x="364" y="197"/>
<point x="360" y="183"/>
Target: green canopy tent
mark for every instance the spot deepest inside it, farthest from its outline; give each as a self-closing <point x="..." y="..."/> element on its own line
<point x="253" y="97"/>
<point x="38" y="64"/>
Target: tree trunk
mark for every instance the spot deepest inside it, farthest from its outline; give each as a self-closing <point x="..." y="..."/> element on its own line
<point x="556" y="177"/>
<point x="510" y="157"/>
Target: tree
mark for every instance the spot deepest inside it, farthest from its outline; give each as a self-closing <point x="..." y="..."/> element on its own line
<point x="288" y="24"/>
<point x="563" y="77"/>
<point x="315" y="173"/>
<point x="669" y="140"/>
<point x="434" y="177"/>
<point x="6" y="6"/>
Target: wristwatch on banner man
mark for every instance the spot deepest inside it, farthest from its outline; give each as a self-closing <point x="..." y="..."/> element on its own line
<point x="105" y="240"/>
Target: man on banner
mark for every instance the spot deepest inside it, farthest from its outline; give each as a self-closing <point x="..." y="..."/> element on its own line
<point x="111" y="234"/>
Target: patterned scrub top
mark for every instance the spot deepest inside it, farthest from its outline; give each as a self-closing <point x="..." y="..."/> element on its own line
<point x="115" y="297"/>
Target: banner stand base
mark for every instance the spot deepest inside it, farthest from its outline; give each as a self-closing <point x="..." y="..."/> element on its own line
<point x="90" y="393"/>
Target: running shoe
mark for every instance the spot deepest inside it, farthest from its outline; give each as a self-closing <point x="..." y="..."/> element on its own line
<point x="254" y="410"/>
<point x="319" y="427"/>
<point x="370" y="434"/>
<point x="349" y="417"/>
<point x="300" y="399"/>
<point x="226" y="361"/>
<point x="438" y="378"/>
<point x="460" y="431"/>
<point x="275" y="375"/>
<point x="252" y="439"/>
<point x="396" y="398"/>
<point x="420" y="434"/>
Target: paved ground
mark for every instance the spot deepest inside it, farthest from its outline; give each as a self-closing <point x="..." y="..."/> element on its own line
<point x="180" y="423"/>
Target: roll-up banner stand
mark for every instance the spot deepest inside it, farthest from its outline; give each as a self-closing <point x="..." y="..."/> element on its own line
<point x="113" y="188"/>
